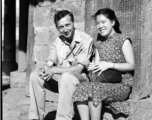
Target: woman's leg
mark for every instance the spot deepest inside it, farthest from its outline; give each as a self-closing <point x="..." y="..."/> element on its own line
<point x="83" y="110"/>
<point x="95" y="112"/>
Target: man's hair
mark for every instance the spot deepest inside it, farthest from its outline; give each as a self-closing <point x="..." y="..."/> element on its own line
<point x="61" y="14"/>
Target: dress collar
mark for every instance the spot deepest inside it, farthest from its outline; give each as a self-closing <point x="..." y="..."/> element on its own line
<point x="100" y="38"/>
<point x="113" y="35"/>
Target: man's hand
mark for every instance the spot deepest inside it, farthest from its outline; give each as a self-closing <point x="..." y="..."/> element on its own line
<point x="46" y="73"/>
<point x="49" y="63"/>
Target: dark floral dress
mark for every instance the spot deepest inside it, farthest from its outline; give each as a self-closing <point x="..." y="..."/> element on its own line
<point x="112" y="93"/>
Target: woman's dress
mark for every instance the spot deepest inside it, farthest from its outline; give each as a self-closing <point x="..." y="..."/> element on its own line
<point x="112" y="93"/>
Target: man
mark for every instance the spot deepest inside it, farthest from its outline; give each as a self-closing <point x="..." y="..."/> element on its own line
<point x="70" y="54"/>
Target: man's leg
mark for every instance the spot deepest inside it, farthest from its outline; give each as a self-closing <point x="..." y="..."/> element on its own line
<point x="37" y="94"/>
<point x="37" y="97"/>
<point x="67" y="83"/>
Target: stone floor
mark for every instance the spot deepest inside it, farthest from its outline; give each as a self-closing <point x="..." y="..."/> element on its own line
<point x="15" y="106"/>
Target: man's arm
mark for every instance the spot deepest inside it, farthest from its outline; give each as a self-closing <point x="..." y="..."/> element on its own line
<point x="78" y="68"/>
<point x="49" y="63"/>
<point x="52" y="58"/>
<point x="82" y="59"/>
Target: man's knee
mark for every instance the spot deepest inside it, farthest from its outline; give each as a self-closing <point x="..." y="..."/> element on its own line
<point x="68" y="78"/>
<point x="34" y="77"/>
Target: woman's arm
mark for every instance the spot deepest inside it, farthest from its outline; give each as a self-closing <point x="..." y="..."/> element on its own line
<point x="129" y="57"/>
<point x="127" y="50"/>
<point x="96" y="57"/>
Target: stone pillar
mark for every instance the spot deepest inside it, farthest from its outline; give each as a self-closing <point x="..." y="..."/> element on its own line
<point x="30" y="45"/>
<point x="9" y="64"/>
<point x="18" y="78"/>
<point x="143" y="85"/>
<point x="23" y="25"/>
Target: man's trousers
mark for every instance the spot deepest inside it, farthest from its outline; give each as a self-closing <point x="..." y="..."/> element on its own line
<point x="64" y="83"/>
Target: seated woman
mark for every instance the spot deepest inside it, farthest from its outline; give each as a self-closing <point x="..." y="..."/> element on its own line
<point x="113" y="51"/>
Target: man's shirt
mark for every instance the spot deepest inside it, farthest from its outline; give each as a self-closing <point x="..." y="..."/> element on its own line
<point x="81" y="47"/>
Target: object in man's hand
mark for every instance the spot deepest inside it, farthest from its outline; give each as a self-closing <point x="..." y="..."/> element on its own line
<point x="107" y="76"/>
<point x="43" y="70"/>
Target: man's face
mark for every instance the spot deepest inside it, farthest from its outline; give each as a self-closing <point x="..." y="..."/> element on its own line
<point x="66" y="27"/>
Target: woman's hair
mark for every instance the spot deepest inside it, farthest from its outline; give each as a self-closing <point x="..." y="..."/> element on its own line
<point x="110" y="14"/>
<point x="61" y="14"/>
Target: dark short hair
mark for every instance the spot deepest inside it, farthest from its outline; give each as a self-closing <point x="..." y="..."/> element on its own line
<point x="110" y="14"/>
<point x="62" y="13"/>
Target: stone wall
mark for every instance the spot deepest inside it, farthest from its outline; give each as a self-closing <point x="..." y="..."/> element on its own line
<point x="145" y="85"/>
<point x="135" y="21"/>
<point x="135" y="17"/>
<point x="44" y="27"/>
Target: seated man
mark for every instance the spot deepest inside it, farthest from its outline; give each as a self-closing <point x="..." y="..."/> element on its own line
<point x="69" y="55"/>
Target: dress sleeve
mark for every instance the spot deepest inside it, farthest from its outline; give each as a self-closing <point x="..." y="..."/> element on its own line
<point x="124" y="38"/>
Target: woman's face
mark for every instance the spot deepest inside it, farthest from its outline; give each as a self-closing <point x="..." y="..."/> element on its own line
<point x="104" y="26"/>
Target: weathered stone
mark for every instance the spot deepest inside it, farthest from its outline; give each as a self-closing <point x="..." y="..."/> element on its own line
<point x="5" y="80"/>
<point x="15" y="112"/>
<point x="138" y="110"/>
<point x="41" y="17"/>
<point x="23" y="22"/>
<point x="79" y="26"/>
<point x="18" y="79"/>
<point x="140" y="107"/>
<point x="11" y="118"/>
<point x="24" y="101"/>
<point x="25" y="117"/>
<point x="24" y="108"/>
<point x="146" y="45"/>
<point x="143" y="74"/>
<point x="22" y="61"/>
<point x="41" y="54"/>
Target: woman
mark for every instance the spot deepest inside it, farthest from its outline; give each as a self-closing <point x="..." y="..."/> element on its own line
<point x="113" y="51"/>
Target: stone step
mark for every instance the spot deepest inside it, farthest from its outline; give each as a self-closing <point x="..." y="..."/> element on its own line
<point x="139" y="109"/>
<point x="5" y="80"/>
<point x="18" y="79"/>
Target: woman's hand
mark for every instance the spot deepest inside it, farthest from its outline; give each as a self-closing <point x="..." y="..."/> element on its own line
<point x="102" y="66"/>
<point x="91" y="66"/>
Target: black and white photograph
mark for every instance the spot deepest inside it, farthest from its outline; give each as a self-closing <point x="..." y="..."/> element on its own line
<point x="76" y="59"/>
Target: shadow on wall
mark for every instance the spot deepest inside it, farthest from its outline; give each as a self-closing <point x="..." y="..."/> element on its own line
<point x="36" y="2"/>
<point x="24" y="22"/>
